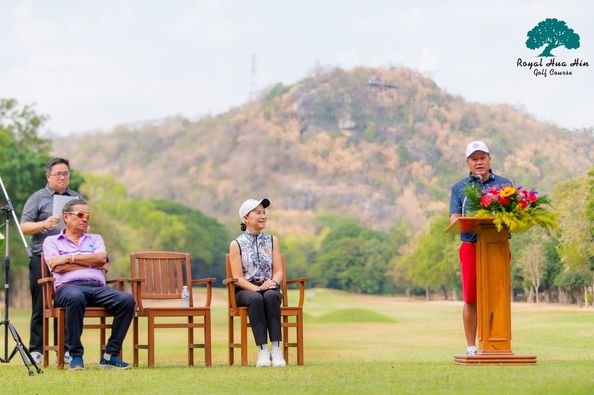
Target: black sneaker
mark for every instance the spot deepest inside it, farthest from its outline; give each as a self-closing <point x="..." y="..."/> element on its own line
<point x="113" y="363"/>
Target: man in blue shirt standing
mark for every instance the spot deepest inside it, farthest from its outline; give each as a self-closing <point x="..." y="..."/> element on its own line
<point x="478" y="160"/>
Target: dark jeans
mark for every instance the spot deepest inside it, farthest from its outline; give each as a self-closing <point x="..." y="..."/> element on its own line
<point x="264" y="311"/>
<point x="76" y="296"/>
<point x="36" y="329"/>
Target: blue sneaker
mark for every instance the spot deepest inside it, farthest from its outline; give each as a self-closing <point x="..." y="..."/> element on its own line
<point x="112" y="363"/>
<point x="77" y="363"/>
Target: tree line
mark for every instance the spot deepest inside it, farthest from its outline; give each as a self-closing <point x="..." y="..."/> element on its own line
<point x="343" y="253"/>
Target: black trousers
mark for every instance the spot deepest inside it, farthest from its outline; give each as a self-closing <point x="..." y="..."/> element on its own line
<point x="264" y="311"/>
<point x="77" y="295"/>
<point x="36" y="328"/>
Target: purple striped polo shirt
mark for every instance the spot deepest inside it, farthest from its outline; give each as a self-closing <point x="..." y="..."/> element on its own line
<point x="89" y="243"/>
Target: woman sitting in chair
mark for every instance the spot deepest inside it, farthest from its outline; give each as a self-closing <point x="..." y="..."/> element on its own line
<point x="256" y="263"/>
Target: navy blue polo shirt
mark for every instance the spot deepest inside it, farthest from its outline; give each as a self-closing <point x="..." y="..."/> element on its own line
<point x="458" y="199"/>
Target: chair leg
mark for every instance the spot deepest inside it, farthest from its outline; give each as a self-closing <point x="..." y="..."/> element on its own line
<point x="102" y="337"/>
<point x="230" y="336"/>
<point x="300" y="338"/>
<point x="244" y="357"/>
<point x="135" y="341"/>
<point x="207" y="340"/>
<point x="286" y="339"/>
<point x="151" y="341"/>
<point x="45" y="340"/>
<point x="61" y="333"/>
<point x="190" y="341"/>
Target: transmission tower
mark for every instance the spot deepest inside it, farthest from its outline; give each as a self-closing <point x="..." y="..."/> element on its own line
<point x="253" y="78"/>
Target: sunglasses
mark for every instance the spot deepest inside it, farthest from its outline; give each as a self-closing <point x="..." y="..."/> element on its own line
<point x="80" y="214"/>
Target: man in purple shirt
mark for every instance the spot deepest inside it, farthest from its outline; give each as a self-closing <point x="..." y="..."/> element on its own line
<point x="78" y="261"/>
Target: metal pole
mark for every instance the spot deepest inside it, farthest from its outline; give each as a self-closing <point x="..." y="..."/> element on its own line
<point x="16" y="221"/>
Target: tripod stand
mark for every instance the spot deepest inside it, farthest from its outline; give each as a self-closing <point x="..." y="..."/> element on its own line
<point x="8" y="327"/>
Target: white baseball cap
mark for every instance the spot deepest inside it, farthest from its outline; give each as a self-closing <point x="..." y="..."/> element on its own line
<point x="249" y="205"/>
<point x="476" y="146"/>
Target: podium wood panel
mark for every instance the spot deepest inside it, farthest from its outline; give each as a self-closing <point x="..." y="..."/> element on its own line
<point x="493" y="294"/>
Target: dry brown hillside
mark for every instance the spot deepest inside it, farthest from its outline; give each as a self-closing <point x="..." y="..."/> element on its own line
<point x="381" y="152"/>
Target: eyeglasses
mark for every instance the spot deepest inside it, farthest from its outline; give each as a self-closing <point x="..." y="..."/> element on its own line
<point x="60" y="174"/>
<point x="80" y="214"/>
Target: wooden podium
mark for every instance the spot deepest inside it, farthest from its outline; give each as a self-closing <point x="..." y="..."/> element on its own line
<point x="494" y="294"/>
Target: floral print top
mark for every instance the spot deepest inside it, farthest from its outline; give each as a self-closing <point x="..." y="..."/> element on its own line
<point x="256" y="256"/>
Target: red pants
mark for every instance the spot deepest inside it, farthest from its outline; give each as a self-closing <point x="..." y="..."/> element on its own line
<point x="467" y="254"/>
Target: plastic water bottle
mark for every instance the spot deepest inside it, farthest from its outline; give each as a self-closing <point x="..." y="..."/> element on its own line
<point x="185" y="297"/>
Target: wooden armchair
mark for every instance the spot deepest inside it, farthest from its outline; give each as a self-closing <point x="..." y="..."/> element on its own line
<point x="286" y="312"/>
<point x="157" y="279"/>
<point x="58" y="316"/>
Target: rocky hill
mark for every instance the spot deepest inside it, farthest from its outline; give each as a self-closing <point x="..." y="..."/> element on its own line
<point x="379" y="144"/>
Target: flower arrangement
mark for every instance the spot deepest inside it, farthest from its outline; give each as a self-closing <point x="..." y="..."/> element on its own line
<point x="517" y="208"/>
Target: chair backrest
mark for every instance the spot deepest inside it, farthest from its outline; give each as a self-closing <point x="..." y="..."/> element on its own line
<point x="164" y="273"/>
<point x="283" y="282"/>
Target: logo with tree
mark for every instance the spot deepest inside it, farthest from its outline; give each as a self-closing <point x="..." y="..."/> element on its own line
<point x="553" y="33"/>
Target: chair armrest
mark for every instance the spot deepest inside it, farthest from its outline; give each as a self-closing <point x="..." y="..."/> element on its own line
<point x="137" y="291"/>
<point x="301" y="282"/>
<point x="47" y="291"/>
<point x="119" y="281"/>
<point x="204" y="280"/>
<point x="208" y="281"/>
<point x="230" y="282"/>
<point x="298" y="280"/>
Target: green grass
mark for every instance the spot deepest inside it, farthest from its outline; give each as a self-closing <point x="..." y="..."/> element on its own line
<point x="353" y="315"/>
<point x="354" y="344"/>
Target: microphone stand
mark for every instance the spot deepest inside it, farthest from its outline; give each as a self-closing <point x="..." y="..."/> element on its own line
<point x="8" y="327"/>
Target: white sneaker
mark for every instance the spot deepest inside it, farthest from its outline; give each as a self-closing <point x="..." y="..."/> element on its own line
<point x="471" y="350"/>
<point x="67" y="358"/>
<point x="37" y="357"/>
<point x="277" y="358"/>
<point x="263" y="358"/>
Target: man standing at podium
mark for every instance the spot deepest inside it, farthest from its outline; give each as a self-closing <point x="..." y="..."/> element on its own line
<point x="478" y="160"/>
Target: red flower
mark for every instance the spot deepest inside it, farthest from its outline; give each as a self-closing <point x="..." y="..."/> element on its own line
<point x="486" y="200"/>
<point x="503" y="201"/>
<point x="523" y="204"/>
<point x="532" y="197"/>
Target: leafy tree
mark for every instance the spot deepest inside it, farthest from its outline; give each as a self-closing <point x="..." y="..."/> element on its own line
<point x="352" y="257"/>
<point x="576" y="246"/>
<point x="552" y="268"/>
<point x="299" y="254"/>
<point x="532" y="263"/>
<point x="554" y="33"/>
<point x="129" y="224"/>
<point x="574" y="282"/>
<point x="590" y="212"/>
<point x="433" y="263"/>
<point x="24" y="154"/>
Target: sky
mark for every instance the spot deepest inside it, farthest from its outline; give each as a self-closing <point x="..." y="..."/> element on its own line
<point x="92" y="65"/>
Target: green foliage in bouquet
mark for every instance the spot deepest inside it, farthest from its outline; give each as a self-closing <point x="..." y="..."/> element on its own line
<point x="517" y="208"/>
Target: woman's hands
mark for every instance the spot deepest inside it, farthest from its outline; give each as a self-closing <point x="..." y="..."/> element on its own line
<point x="268" y="284"/>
